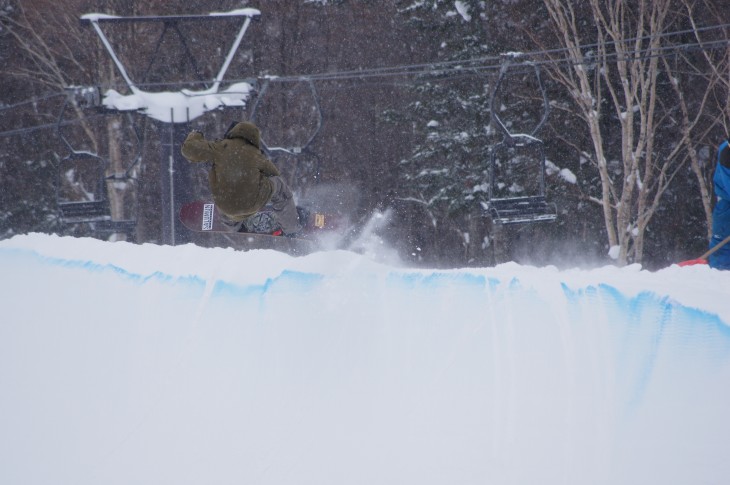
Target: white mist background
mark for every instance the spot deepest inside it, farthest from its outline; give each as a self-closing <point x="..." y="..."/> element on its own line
<point x="146" y="364"/>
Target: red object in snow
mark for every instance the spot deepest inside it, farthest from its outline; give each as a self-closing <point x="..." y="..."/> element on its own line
<point x="692" y="262"/>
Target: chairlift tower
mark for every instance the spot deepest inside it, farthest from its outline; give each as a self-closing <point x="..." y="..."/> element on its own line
<point x="174" y="109"/>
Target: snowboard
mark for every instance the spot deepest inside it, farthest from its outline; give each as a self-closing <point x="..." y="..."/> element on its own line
<point x="203" y="216"/>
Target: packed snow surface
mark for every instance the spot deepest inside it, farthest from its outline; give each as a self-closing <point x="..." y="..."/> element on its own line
<point x="145" y="364"/>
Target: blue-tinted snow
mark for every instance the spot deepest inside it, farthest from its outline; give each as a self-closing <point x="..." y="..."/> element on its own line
<point x="124" y="364"/>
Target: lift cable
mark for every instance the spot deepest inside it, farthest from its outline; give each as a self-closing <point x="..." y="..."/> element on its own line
<point x="448" y="69"/>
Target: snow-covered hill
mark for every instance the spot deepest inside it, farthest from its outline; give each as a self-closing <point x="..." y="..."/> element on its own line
<point x="143" y="364"/>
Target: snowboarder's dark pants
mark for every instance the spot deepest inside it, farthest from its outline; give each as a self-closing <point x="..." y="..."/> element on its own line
<point x="284" y="208"/>
<point x="281" y="206"/>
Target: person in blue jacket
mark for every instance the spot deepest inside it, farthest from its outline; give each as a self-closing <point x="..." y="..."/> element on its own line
<point x="721" y="214"/>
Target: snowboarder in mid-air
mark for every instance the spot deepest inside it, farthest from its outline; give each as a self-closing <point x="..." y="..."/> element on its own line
<point x="242" y="180"/>
<point x="720" y="259"/>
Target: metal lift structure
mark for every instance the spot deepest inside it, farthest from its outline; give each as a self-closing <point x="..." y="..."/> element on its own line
<point x="173" y="109"/>
<point x="504" y="205"/>
<point x="304" y="148"/>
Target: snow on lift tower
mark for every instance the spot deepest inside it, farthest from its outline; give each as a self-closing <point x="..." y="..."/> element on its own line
<point x="507" y="202"/>
<point x="185" y="105"/>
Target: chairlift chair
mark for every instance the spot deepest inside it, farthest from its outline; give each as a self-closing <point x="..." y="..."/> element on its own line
<point x="93" y="210"/>
<point x="95" y="206"/>
<point x="291" y="150"/>
<point x="523" y="208"/>
<point x="88" y="203"/>
<point x="303" y="148"/>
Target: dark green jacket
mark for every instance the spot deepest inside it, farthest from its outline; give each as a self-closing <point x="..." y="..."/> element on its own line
<point x="239" y="177"/>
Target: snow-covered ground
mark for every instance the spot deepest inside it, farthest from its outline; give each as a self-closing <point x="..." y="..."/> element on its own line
<point x="141" y="364"/>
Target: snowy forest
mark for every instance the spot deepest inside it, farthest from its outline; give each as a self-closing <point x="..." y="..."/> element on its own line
<point x="385" y="107"/>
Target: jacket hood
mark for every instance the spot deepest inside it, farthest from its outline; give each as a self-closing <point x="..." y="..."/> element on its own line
<point x="248" y="131"/>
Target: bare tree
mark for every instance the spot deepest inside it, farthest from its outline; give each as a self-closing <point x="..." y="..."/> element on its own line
<point x="59" y="55"/>
<point x="712" y="110"/>
<point x="625" y="56"/>
<point x="51" y="41"/>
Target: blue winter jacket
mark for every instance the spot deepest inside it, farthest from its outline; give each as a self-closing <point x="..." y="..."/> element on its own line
<point x="721" y="214"/>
